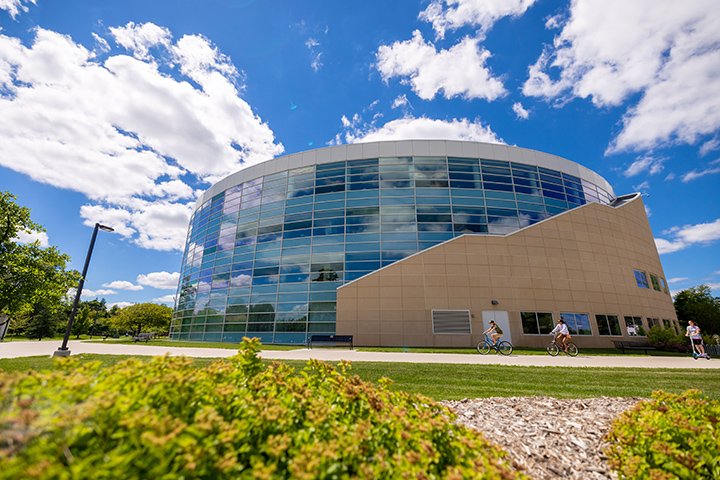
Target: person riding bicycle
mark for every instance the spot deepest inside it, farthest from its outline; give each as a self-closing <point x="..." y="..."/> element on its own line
<point x="561" y="332"/>
<point x="693" y="331"/>
<point x="494" y="331"/>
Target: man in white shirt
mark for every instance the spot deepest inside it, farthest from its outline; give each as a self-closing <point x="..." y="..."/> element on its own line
<point x="561" y="333"/>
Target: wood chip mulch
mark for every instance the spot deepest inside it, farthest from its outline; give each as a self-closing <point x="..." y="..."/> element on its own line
<point x="547" y="438"/>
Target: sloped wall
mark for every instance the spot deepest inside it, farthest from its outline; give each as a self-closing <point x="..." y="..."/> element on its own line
<point x="581" y="261"/>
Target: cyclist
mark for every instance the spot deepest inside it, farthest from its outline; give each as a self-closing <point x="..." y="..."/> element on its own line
<point x="494" y="331"/>
<point x="562" y="333"/>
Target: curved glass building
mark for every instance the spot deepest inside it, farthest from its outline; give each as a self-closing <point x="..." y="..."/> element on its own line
<point x="269" y="246"/>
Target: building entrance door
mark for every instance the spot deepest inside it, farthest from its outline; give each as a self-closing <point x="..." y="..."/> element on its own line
<point x="502" y="320"/>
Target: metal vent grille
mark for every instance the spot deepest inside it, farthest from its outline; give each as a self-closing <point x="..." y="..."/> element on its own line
<point x="456" y="322"/>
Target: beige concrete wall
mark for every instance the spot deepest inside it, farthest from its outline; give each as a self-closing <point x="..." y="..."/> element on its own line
<point x="581" y="261"/>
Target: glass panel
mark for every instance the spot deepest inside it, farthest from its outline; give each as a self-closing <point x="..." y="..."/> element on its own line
<point x="641" y="279"/>
<point x="529" y="323"/>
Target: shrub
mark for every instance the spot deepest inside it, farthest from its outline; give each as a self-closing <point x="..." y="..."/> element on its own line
<point x="670" y="436"/>
<point x="241" y="418"/>
<point x="668" y="339"/>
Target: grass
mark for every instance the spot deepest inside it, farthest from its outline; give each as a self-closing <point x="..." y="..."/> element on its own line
<point x="163" y="342"/>
<point x="450" y="381"/>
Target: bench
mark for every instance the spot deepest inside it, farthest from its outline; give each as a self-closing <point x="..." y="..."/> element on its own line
<point x="334" y="339"/>
<point x="634" y="345"/>
<point x="143" y="337"/>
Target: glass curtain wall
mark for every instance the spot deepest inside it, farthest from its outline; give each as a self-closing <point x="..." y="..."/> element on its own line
<point x="264" y="258"/>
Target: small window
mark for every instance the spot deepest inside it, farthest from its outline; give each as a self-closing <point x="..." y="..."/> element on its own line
<point x="655" y="282"/>
<point x="608" y="325"/>
<point x="664" y="285"/>
<point x="667" y="324"/>
<point x="536" y="323"/>
<point x="641" y="279"/>
<point x="634" y="326"/>
<point x="577" y="323"/>
<point x="653" y="322"/>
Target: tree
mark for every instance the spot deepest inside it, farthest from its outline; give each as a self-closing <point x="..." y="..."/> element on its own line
<point x="135" y="318"/>
<point x="29" y="273"/>
<point x="697" y="303"/>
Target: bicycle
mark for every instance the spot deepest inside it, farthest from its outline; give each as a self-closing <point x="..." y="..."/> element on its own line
<point x="503" y="347"/>
<point x="553" y="349"/>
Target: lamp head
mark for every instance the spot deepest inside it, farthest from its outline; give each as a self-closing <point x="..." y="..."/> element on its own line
<point x="105" y="228"/>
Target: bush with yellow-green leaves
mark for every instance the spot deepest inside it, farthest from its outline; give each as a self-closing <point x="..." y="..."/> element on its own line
<point x="237" y="418"/>
<point x="668" y="437"/>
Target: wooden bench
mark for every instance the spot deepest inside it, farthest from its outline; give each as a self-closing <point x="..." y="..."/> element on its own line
<point x="334" y="339"/>
<point x="143" y="337"/>
<point x="632" y="345"/>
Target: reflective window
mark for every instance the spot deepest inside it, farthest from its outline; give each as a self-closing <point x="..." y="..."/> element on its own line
<point x="536" y="323"/>
<point x="577" y="323"/>
<point x="608" y="325"/>
<point x="634" y="326"/>
<point x="641" y="279"/>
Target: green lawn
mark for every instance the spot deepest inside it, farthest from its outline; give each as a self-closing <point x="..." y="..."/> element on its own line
<point x="521" y="351"/>
<point x="164" y="342"/>
<point x="449" y="381"/>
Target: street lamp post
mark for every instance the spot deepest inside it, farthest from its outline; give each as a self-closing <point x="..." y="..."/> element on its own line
<point x="63" y="351"/>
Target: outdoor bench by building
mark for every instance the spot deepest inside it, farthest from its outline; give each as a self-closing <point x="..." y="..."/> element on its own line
<point x="635" y="345"/>
<point x="334" y="339"/>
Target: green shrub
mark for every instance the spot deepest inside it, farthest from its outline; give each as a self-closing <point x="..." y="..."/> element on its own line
<point x="671" y="436"/>
<point x="166" y="419"/>
<point x="668" y="339"/>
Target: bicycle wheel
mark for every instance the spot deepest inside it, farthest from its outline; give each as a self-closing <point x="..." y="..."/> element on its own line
<point x="505" y="348"/>
<point x="483" y="347"/>
<point x="572" y="350"/>
<point x="552" y="349"/>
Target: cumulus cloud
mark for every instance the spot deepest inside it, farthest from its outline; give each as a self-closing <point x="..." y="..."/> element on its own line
<point x="33" y="236"/>
<point x="520" y="111"/>
<point x="400" y="101"/>
<point x="648" y="163"/>
<point x="688" y="235"/>
<point x="122" y="285"/>
<point x="87" y="293"/>
<point x="416" y="128"/>
<point x="120" y="304"/>
<point x="665" y="51"/>
<point x="453" y="14"/>
<point x="129" y="132"/>
<point x="161" y="280"/>
<point x="15" y="7"/>
<point x="457" y="71"/>
<point x="165" y="299"/>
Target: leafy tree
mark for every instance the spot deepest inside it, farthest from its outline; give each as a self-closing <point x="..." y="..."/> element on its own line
<point x="135" y="318"/>
<point x="697" y="303"/>
<point x="29" y="273"/>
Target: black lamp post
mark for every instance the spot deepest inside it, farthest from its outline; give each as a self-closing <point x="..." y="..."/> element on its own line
<point x="63" y="350"/>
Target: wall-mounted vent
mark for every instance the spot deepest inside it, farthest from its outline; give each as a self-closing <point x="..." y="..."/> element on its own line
<point x="455" y="322"/>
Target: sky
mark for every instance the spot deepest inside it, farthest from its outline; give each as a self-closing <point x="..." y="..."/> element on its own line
<point x="123" y="112"/>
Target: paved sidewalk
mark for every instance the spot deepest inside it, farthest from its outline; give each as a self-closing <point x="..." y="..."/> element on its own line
<point x="29" y="349"/>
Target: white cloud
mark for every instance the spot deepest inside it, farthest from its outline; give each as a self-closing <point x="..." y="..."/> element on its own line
<point x="120" y="304"/>
<point x="14" y="7"/>
<point x="419" y="128"/>
<point x="132" y="134"/>
<point x="400" y="101"/>
<point x="709" y="146"/>
<point x="30" y="237"/>
<point x="458" y="71"/>
<point x="313" y="46"/>
<point x="162" y="280"/>
<point x="648" y="212"/>
<point x="165" y="299"/>
<point x="87" y="293"/>
<point x="122" y="285"/>
<point x="453" y="14"/>
<point x="139" y="39"/>
<point x="520" y="111"/>
<point x="642" y="186"/>
<point x="677" y="280"/>
<point x="665" y="51"/>
<point x="688" y="235"/>
<point x="695" y="174"/>
<point x="647" y="163"/>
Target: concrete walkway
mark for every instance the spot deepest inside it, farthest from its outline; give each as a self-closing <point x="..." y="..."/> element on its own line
<point x="29" y="349"/>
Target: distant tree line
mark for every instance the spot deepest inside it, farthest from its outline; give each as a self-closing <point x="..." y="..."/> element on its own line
<point x="34" y="285"/>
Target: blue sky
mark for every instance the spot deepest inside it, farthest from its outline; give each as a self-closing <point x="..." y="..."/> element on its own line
<point x="123" y="112"/>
